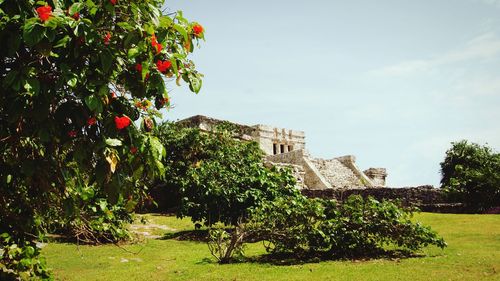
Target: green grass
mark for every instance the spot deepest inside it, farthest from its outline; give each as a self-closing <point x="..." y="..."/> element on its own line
<point x="473" y="254"/>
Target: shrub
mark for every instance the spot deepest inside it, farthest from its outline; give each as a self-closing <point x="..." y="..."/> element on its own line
<point x="21" y="260"/>
<point x="471" y="174"/>
<point x="358" y="227"/>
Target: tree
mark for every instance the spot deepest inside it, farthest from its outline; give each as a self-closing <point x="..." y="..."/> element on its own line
<point x="471" y="174"/>
<point x="215" y="176"/>
<point x="78" y="80"/>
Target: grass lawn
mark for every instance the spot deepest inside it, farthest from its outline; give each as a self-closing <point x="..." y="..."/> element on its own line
<point x="473" y="254"/>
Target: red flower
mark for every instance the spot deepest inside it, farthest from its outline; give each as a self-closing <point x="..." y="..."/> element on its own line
<point x="138" y="67"/>
<point x="133" y="150"/>
<point x="122" y="122"/>
<point x="155" y="44"/>
<point x="158" y="48"/>
<point x="113" y="95"/>
<point x="91" y="121"/>
<point x="107" y="37"/>
<point x="113" y="2"/>
<point x="197" y="30"/>
<point x="44" y="12"/>
<point x="163" y="65"/>
<point x="76" y="16"/>
<point x="72" y="134"/>
<point x="165" y="101"/>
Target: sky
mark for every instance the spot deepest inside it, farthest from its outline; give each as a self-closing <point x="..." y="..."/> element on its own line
<point x="392" y="82"/>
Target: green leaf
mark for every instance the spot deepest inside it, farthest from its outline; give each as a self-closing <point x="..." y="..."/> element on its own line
<point x="10" y="78"/>
<point x="132" y="53"/>
<point x="94" y="103"/>
<point x="165" y="21"/>
<point x="72" y="82"/>
<point x="113" y="142"/>
<point x="32" y="32"/>
<point x="125" y="25"/>
<point x="34" y="84"/>
<point x="103" y="205"/>
<point x="106" y="60"/>
<point x="75" y="8"/>
<point x="158" y="149"/>
<point x="62" y="42"/>
<point x="182" y="31"/>
<point x="194" y="82"/>
<point x="174" y="66"/>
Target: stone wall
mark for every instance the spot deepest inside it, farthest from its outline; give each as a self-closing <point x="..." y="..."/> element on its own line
<point x="427" y="198"/>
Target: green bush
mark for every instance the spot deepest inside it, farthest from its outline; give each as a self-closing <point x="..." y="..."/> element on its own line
<point x="471" y="174"/>
<point x="357" y="227"/>
<point x="216" y="177"/>
<point x="20" y="260"/>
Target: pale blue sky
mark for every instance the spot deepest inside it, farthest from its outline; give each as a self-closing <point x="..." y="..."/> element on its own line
<point x="392" y="82"/>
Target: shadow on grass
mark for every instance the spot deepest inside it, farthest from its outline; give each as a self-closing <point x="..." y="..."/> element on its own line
<point x="198" y="235"/>
<point x="286" y="259"/>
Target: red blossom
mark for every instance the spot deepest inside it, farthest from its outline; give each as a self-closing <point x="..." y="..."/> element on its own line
<point x="133" y="150"/>
<point x="197" y="30"/>
<point x="155" y="44"/>
<point x="113" y="2"/>
<point x="113" y="95"/>
<point x="122" y="122"/>
<point x="76" y="16"/>
<point x="163" y="65"/>
<point x="44" y="12"/>
<point x="72" y="134"/>
<point x="165" y="101"/>
<point x="138" y="67"/>
<point x="107" y="37"/>
<point x="158" y="48"/>
<point x="91" y="121"/>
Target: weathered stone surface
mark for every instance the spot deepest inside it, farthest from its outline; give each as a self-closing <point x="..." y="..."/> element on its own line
<point x="278" y="140"/>
<point x="337" y="174"/>
<point x="377" y="175"/>
<point x="312" y="176"/>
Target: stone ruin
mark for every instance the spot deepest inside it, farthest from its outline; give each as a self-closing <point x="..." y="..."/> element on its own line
<point x="286" y="148"/>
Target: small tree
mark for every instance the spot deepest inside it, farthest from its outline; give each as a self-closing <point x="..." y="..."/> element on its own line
<point x="471" y="174"/>
<point x="217" y="177"/>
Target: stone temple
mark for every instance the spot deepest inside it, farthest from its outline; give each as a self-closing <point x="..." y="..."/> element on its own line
<point x="287" y="148"/>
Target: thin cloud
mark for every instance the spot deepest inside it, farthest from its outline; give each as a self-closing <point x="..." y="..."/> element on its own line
<point x="482" y="47"/>
<point x="495" y="3"/>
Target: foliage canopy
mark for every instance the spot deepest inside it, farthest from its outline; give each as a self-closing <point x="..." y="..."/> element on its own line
<point x="81" y="82"/>
<point x="471" y="174"/>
